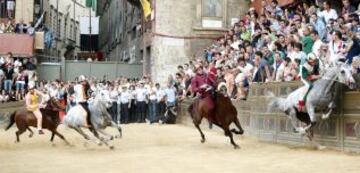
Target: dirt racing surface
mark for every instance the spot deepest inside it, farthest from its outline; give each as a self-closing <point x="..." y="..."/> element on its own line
<point x="164" y="149"/>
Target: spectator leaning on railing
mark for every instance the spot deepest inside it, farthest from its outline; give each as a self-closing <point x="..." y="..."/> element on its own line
<point x="272" y="46"/>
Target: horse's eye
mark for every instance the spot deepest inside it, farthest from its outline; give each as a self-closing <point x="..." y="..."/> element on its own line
<point x="342" y="72"/>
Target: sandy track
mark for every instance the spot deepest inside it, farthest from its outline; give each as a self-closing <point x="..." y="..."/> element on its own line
<point x="167" y="149"/>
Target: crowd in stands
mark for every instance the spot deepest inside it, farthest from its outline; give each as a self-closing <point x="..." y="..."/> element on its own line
<point x="15" y="75"/>
<point x="10" y="26"/>
<point x="270" y="46"/>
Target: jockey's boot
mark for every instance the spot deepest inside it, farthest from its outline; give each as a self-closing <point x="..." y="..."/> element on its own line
<point x="41" y="132"/>
<point x="301" y="105"/>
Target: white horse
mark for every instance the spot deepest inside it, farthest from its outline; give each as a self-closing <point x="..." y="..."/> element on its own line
<point x="321" y="98"/>
<point x="100" y="118"/>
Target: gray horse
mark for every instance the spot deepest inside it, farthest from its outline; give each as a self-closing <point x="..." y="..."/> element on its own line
<point x="320" y="98"/>
<point x="100" y="118"/>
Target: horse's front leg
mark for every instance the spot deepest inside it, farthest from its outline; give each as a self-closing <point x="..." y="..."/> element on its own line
<point x="293" y="118"/>
<point x="96" y="134"/>
<point x="113" y="124"/>
<point x="331" y="108"/>
<point x="109" y="137"/>
<point x="311" y="112"/>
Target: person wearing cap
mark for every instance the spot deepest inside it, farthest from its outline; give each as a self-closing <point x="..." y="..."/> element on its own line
<point x="32" y="105"/>
<point x="309" y="72"/>
<point x="81" y="92"/>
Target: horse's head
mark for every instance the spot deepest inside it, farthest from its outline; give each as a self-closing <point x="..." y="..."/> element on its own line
<point x="54" y="105"/>
<point x="221" y="88"/>
<point x="345" y="75"/>
<point x="103" y="96"/>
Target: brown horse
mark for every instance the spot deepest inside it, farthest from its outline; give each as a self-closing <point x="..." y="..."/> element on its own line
<point x="24" y="119"/>
<point x="225" y="114"/>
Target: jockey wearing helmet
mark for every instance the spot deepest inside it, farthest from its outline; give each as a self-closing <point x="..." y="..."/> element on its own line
<point x="204" y="83"/>
<point x="32" y="104"/>
<point x="309" y="73"/>
<point x="82" y="93"/>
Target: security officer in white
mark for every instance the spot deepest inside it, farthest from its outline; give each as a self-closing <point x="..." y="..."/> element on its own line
<point x="81" y="93"/>
<point x="140" y="95"/>
<point x="125" y="104"/>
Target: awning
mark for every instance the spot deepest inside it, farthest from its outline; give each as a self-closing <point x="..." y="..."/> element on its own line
<point x="20" y="45"/>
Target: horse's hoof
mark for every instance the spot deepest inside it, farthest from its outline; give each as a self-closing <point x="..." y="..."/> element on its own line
<point x="99" y="143"/>
<point x="236" y="147"/>
<point x="111" y="147"/>
<point x="117" y="136"/>
<point x="112" y="138"/>
<point x="202" y="140"/>
<point x="31" y="135"/>
<point x="53" y="145"/>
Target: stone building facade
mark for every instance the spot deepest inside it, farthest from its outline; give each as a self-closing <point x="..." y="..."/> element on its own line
<point x="63" y="20"/>
<point x="176" y="31"/>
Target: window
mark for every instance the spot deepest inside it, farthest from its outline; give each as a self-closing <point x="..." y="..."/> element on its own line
<point x="213" y="13"/>
<point x="71" y="35"/>
<point x="212" y="8"/>
<point x="59" y="28"/>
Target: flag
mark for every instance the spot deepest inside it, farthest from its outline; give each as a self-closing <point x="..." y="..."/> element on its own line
<point x="146" y="7"/>
<point x="91" y="4"/>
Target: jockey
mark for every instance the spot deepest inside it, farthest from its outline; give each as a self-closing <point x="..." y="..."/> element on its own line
<point x="81" y="90"/>
<point x="32" y="105"/>
<point x="203" y="83"/>
<point x="309" y="72"/>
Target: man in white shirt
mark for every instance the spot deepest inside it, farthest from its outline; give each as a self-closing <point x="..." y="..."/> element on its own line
<point x="140" y="94"/>
<point x="317" y="44"/>
<point x="153" y="105"/>
<point x="328" y="13"/>
<point x="125" y="102"/>
<point x="53" y="90"/>
<point x="113" y="93"/>
<point x="161" y="106"/>
<point x="170" y="115"/>
<point x="170" y="93"/>
<point x="81" y="97"/>
<point x="17" y="65"/>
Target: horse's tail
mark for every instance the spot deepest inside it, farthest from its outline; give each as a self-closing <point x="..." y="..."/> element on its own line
<point x="275" y="103"/>
<point x="240" y="130"/>
<point x="11" y="121"/>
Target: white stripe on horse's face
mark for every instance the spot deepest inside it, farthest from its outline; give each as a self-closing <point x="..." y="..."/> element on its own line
<point x="346" y="76"/>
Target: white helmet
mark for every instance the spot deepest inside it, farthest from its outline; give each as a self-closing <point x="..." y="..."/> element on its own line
<point x="81" y="78"/>
<point x="311" y="57"/>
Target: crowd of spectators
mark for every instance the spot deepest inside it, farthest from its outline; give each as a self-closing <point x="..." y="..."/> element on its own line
<point x="10" y="26"/>
<point x="270" y="46"/>
<point x="15" y="75"/>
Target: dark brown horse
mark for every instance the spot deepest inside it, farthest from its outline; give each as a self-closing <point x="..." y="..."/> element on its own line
<point x="225" y="114"/>
<point x="24" y="119"/>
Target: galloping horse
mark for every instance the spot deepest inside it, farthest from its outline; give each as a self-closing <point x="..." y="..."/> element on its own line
<point x="225" y="114"/>
<point x="320" y="98"/>
<point x="24" y="119"/>
<point x="100" y="118"/>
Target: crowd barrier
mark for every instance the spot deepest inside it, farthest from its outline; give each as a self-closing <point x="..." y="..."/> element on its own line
<point x="341" y="131"/>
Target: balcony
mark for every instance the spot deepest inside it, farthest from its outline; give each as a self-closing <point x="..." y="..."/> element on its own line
<point x="20" y="45"/>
